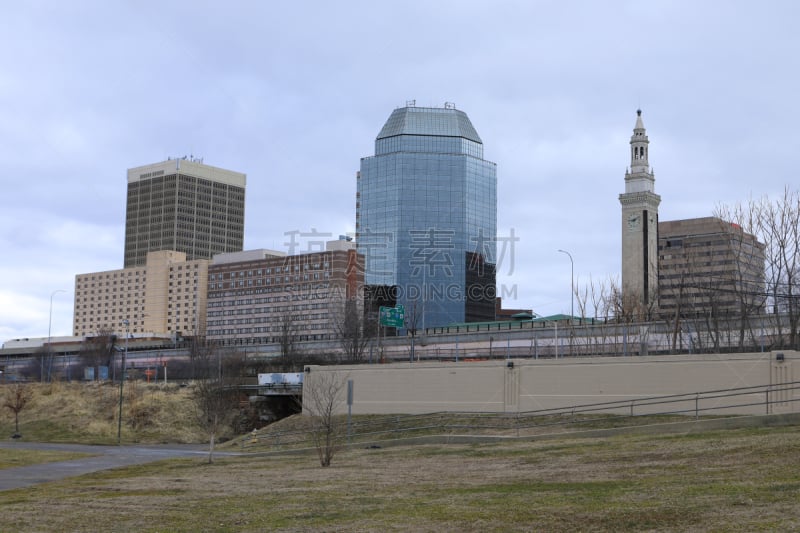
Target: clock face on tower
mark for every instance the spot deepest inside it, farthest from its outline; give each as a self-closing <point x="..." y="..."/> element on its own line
<point x="633" y="222"/>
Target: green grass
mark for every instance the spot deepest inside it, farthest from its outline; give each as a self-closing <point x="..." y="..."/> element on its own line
<point x="735" y="480"/>
<point x="47" y="430"/>
<point x="10" y="457"/>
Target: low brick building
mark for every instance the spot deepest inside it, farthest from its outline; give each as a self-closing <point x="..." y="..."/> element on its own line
<point x="261" y="296"/>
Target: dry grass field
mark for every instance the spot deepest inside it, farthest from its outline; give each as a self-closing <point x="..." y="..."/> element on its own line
<point x="732" y="480"/>
<point x="88" y="413"/>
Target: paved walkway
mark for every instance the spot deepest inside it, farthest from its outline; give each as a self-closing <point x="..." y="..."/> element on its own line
<point x="104" y="458"/>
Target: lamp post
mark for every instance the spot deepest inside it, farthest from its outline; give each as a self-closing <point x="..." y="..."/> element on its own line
<point x="126" y="323"/>
<point x="571" y="285"/>
<point x="49" y="328"/>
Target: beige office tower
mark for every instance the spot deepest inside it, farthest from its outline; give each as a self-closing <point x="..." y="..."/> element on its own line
<point x="165" y="296"/>
<point x="639" y="230"/>
<point x="185" y="206"/>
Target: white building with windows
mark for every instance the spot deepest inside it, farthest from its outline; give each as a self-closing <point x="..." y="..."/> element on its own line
<point x="262" y="297"/>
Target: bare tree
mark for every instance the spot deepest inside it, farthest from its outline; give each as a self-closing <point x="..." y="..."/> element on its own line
<point x="581" y="296"/>
<point x="216" y="404"/>
<point x="413" y="319"/>
<point x="693" y="291"/>
<point x="98" y="350"/>
<point x="607" y="300"/>
<point x="776" y="223"/>
<point x="779" y="223"/>
<point x="594" y="303"/>
<point x="288" y="338"/>
<point x="742" y="281"/>
<point x="321" y="395"/>
<point x="631" y="314"/>
<point x="354" y="329"/>
<point x="37" y="366"/>
<point x="674" y="318"/>
<point x="603" y="304"/>
<point x="16" y="398"/>
<point x="215" y="410"/>
<point x="204" y="358"/>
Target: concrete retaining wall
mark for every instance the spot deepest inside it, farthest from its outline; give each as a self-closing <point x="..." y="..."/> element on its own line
<point x="519" y="385"/>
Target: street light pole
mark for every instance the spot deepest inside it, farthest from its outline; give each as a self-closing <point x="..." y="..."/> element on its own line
<point x="122" y="382"/>
<point x="49" y="328"/>
<point x="571" y="285"/>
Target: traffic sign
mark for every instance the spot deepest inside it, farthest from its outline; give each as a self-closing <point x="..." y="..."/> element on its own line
<point x="394" y="317"/>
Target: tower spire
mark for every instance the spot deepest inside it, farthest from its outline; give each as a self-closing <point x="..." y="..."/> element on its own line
<point x="639" y="146"/>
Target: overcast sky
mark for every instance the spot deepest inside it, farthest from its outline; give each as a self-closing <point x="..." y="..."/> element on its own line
<point x="294" y="93"/>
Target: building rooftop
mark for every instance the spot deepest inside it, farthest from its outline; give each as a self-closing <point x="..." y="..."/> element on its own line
<point x="190" y="167"/>
<point x="246" y="255"/>
<point x="443" y="122"/>
<point x="693" y="226"/>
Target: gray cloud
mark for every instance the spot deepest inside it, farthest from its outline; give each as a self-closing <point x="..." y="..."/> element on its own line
<point x="293" y="95"/>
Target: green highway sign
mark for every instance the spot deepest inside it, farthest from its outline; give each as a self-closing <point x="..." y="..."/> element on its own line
<point x="394" y="317"/>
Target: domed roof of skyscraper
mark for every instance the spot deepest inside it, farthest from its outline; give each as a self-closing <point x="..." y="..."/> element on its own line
<point x="442" y="122"/>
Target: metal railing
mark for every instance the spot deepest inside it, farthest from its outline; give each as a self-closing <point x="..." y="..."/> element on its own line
<point x="603" y="415"/>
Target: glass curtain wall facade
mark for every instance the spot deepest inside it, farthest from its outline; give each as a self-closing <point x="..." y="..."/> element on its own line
<point x="426" y="217"/>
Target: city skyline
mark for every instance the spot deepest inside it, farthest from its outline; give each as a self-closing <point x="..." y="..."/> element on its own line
<point x="282" y="94"/>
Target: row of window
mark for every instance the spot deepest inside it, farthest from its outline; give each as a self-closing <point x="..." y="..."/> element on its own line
<point x="86" y="293"/>
<point x="91" y="305"/>
<point x="308" y="322"/>
<point x="127" y="310"/>
<point x="298" y="289"/>
<point x="266" y="310"/>
<point x="114" y="275"/>
<point x="108" y="282"/>
<point x="268" y="281"/>
<point x="267" y="271"/>
<point x="236" y="339"/>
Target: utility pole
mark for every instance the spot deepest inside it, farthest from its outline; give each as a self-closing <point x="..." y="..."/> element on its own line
<point x="571" y="285"/>
<point x="122" y="382"/>
<point x="49" y="348"/>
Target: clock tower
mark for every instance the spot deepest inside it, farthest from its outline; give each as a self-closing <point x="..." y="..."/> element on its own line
<point x="639" y="229"/>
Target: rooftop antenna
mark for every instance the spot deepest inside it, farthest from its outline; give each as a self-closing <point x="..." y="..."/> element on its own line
<point x="449" y="105"/>
<point x="411" y="103"/>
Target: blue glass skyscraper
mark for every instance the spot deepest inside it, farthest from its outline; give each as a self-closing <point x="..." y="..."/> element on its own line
<point x="426" y="217"/>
